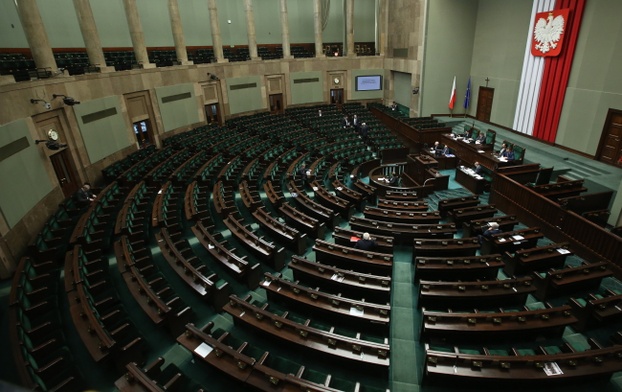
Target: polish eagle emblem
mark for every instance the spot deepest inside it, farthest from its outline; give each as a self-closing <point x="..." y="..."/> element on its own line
<point x="548" y="33"/>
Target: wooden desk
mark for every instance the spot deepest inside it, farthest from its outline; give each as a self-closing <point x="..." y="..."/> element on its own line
<point x="470" y="153"/>
<point x="470" y="182"/>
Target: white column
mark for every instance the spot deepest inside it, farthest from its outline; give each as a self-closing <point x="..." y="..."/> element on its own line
<point x="317" y="19"/>
<point x="216" y="39"/>
<point x="37" y="38"/>
<point x="250" y="28"/>
<point x="136" y="34"/>
<point x="287" y="54"/>
<point x="178" y="33"/>
<point x="86" y="20"/>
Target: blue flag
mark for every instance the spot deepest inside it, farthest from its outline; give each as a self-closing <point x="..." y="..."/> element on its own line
<point x="467" y="95"/>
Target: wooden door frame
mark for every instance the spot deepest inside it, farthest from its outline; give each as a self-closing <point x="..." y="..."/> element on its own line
<point x="603" y="135"/>
<point x="74" y="183"/>
<point x="492" y="90"/>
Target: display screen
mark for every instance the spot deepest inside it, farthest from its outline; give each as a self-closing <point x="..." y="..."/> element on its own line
<point x="369" y="83"/>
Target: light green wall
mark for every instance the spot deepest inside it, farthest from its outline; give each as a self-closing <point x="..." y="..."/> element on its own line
<point x="245" y="99"/>
<point x="111" y="23"/>
<point x="234" y="33"/>
<point x="364" y="21"/>
<point x="498" y="51"/>
<point x="309" y="92"/>
<point x="22" y="175"/>
<point x="361" y="95"/>
<point x="402" y="88"/>
<point x="62" y="32"/>
<point x="595" y="84"/>
<point x="196" y="22"/>
<point x="11" y="32"/>
<point x="336" y="25"/>
<point x="451" y="28"/>
<point x="105" y="136"/>
<point x="300" y="17"/>
<point x="179" y="112"/>
<point x="156" y="23"/>
<point x="267" y="21"/>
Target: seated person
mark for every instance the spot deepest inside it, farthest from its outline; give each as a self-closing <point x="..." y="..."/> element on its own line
<point x="508" y="154"/>
<point x="479" y="169"/>
<point x="446" y="150"/>
<point x="394" y="106"/>
<point x="481" y="138"/>
<point x="493" y="228"/>
<point x="503" y="148"/>
<point x="84" y="196"/>
<point x="467" y="133"/>
<point x="393" y="180"/>
<point x="303" y="172"/>
<point x="438" y="148"/>
<point x="365" y="243"/>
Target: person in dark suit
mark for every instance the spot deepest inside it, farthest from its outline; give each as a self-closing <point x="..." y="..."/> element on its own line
<point x="479" y="169"/>
<point x="508" y="153"/>
<point x="393" y="180"/>
<point x="84" y="196"/>
<point x="493" y="228"/>
<point x="355" y="122"/>
<point x="346" y="122"/>
<point x="446" y="150"/>
<point x="365" y="243"/>
<point x="481" y="138"/>
<point x="438" y="148"/>
<point x="503" y="148"/>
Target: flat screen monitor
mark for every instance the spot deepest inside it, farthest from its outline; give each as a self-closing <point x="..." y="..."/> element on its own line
<point x="369" y="83"/>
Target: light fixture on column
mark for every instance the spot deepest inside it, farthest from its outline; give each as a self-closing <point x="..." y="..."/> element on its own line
<point x="43" y="102"/>
<point x="52" y="143"/>
<point x="69" y="101"/>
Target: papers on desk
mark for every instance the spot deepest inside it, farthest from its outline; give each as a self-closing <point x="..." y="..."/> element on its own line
<point x="503" y="159"/>
<point x="337" y="278"/>
<point x="518" y="237"/>
<point x="203" y="349"/>
<point x="381" y="178"/>
<point x="293" y="194"/>
<point x="449" y="155"/>
<point x="502" y="239"/>
<point x="356" y="312"/>
<point x="315" y="189"/>
<point x="354" y="238"/>
<point x="481" y="151"/>
<point x="552" y="369"/>
<point x="339" y="188"/>
<point x="563" y="251"/>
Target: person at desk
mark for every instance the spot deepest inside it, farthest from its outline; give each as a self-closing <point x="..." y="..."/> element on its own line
<point x="393" y="180"/>
<point x="493" y="228"/>
<point x="84" y="196"/>
<point x="394" y="106"/>
<point x="479" y="169"/>
<point x="481" y="138"/>
<point x="303" y="172"/>
<point x="503" y="148"/>
<point x="445" y="151"/>
<point x="365" y="243"/>
<point x="508" y="154"/>
<point x="437" y="149"/>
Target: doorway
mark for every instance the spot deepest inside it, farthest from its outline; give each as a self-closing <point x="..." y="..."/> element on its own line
<point x="65" y="172"/>
<point x="211" y="113"/>
<point x="336" y="96"/>
<point x="276" y="103"/>
<point x="484" y="103"/>
<point x="142" y="133"/>
<point x="610" y="146"/>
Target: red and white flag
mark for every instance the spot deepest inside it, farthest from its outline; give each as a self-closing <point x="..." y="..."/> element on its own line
<point x="452" y="97"/>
